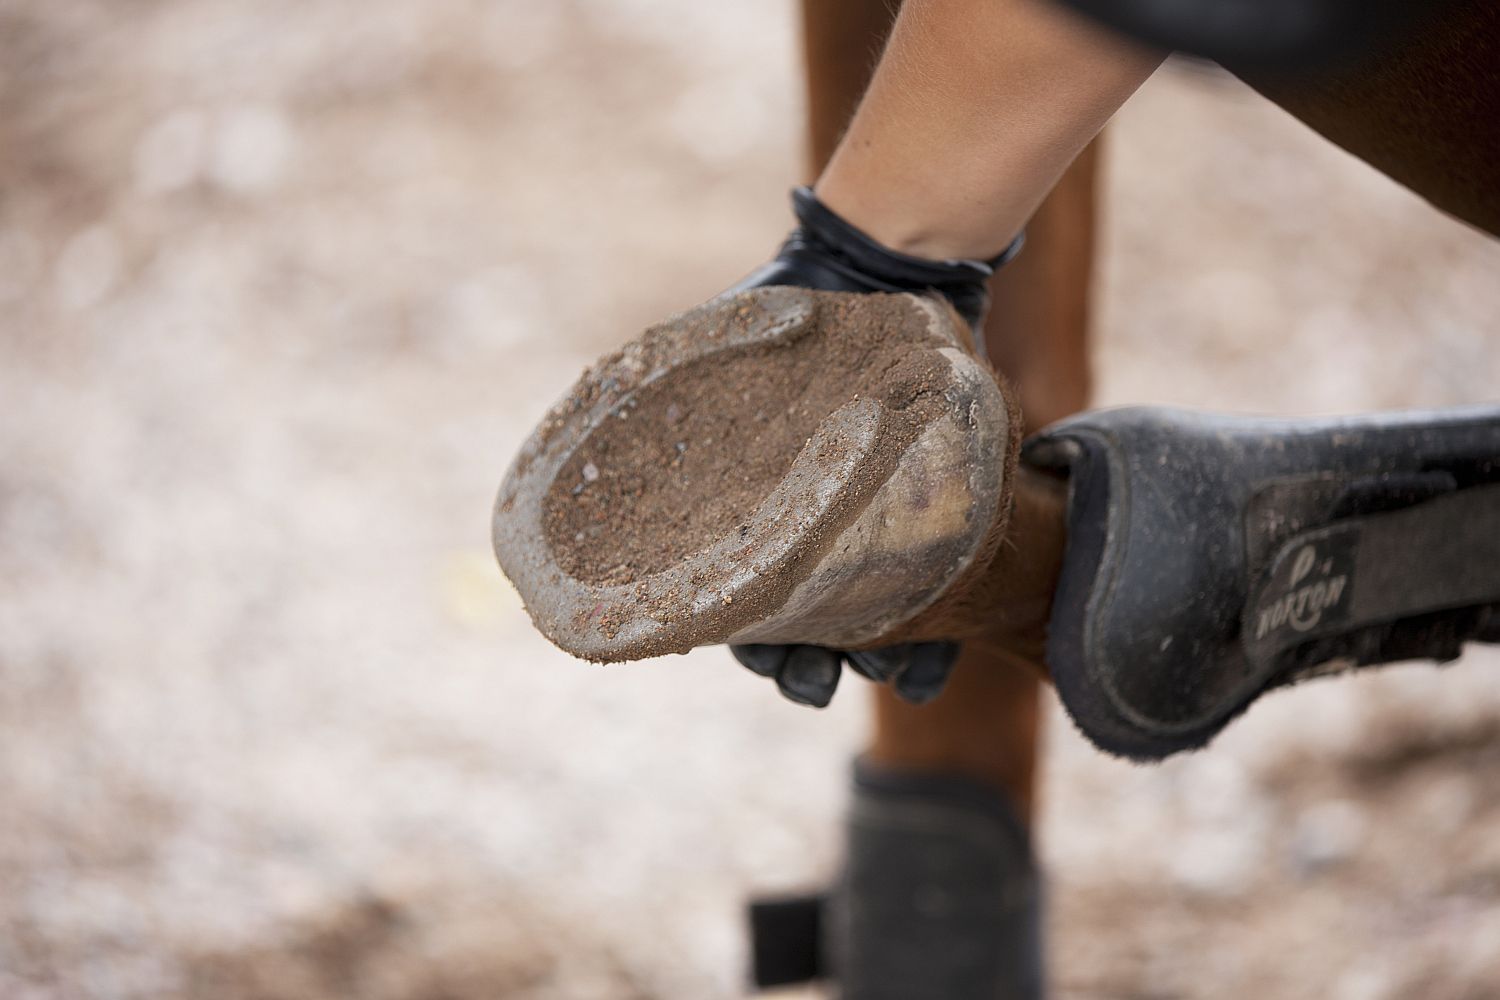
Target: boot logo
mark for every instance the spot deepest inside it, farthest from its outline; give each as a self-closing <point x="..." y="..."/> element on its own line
<point x="1315" y="586"/>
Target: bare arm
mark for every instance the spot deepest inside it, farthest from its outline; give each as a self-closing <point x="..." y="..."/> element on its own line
<point x="974" y="112"/>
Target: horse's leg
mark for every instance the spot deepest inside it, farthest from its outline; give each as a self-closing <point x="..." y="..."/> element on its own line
<point x="983" y="730"/>
<point x="1037" y="335"/>
<point x="841" y="42"/>
<point x="985" y="725"/>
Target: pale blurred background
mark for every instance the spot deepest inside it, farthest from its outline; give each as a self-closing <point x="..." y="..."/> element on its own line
<point x="283" y="285"/>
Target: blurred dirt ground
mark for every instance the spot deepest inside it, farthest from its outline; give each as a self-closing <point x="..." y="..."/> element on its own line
<point x="283" y="285"/>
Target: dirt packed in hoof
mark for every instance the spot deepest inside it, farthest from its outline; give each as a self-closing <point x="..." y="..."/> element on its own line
<point x="688" y="459"/>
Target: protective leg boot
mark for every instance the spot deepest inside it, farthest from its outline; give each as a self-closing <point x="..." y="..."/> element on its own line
<point x="1211" y="558"/>
<point x="939" y="899"/>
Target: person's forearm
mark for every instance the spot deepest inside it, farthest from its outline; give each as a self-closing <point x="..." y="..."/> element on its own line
<point x="976" y="109"/>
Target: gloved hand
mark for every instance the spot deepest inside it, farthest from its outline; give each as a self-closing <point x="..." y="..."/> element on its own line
<point x="827" y="253"/>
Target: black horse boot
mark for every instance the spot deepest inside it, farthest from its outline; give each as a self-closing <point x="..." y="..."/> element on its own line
<point x="939" y="899"/>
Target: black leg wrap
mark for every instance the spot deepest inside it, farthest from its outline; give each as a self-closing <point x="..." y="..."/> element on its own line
<point x="1212" y="558"/>
<point x="940" y="899"/>
<point x="786" y="940"/>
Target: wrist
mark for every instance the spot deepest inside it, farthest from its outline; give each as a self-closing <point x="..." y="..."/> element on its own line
<point x="893" y="259"/>
<point x="963" y="282"/>
<point x="911" y="226"/>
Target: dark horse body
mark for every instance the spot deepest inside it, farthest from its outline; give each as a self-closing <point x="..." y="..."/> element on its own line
<point x="1423" y="108"/>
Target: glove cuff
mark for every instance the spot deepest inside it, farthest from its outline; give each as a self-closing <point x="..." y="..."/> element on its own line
<point x="867" y="262"/>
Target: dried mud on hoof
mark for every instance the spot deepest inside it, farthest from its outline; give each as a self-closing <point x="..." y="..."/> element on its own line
<point x="781" y="465"/>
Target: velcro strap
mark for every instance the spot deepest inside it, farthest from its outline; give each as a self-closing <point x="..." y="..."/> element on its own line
<point x="1437" y="555"/>
<point x="786" y="940"/>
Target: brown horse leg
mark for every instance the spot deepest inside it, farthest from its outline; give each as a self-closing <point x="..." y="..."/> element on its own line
<point x="985" y="724"/>
<point x="841" y="42"/>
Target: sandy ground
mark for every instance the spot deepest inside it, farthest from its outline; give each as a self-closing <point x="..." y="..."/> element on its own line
<point x="282" y="286"/>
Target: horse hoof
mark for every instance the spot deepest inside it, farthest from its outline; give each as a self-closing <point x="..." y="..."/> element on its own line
<point x="777" y="466"/>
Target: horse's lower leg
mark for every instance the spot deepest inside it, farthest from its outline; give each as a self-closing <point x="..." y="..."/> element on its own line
<point x="985" y="724"/>
<point x="841" y="42"/>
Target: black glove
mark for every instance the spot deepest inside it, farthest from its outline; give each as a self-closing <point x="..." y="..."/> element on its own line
<point x="827" y="253"/>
